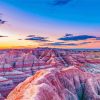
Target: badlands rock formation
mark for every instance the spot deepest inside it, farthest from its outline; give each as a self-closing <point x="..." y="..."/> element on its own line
<point x="54" y="84"/>
<point x="17" y="65"/>
<point x="6" y="85"/>
<point x="1" y="97"/>
<point x="8" y="72"/>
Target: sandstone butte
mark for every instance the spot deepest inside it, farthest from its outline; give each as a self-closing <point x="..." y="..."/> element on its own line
<point x="58" y="84"/>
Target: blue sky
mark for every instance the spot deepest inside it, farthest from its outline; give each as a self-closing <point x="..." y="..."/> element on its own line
<point x="79" y="11"/>
<point x="50" y="18"/>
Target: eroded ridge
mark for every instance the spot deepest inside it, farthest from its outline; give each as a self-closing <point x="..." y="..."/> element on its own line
<point x="54" y="84"/>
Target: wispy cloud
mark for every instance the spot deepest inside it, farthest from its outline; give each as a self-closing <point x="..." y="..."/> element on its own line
<point x="2" y="36"/>
<point x="66" y="44"/>
<point x="85" y="43"/>
<point x="2" y="21"/>
<point x="61" y="2"/>
<point x="19" y="39"/>
<point x="62" y="44"/>
<point x="37" y="38"/>
<point x="70" y="37"/>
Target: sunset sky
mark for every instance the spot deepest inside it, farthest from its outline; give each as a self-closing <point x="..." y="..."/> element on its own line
<point x="50" y="23"/>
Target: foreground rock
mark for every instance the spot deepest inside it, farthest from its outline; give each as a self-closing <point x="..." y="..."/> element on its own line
<point x="53" y="84"/>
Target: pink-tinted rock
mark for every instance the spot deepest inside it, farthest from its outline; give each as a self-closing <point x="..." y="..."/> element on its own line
<point x="16" y="65"/>
<point x="8" y="72"/>
<point x="6" y="85"/>
<point x="53" y="84"/>
<point x="1" y="97"/>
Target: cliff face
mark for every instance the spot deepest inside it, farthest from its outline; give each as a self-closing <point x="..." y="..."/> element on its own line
<point x="55" y="84"/>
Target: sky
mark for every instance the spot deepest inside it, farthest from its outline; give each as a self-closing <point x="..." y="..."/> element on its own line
<point x="50" y="23"/>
